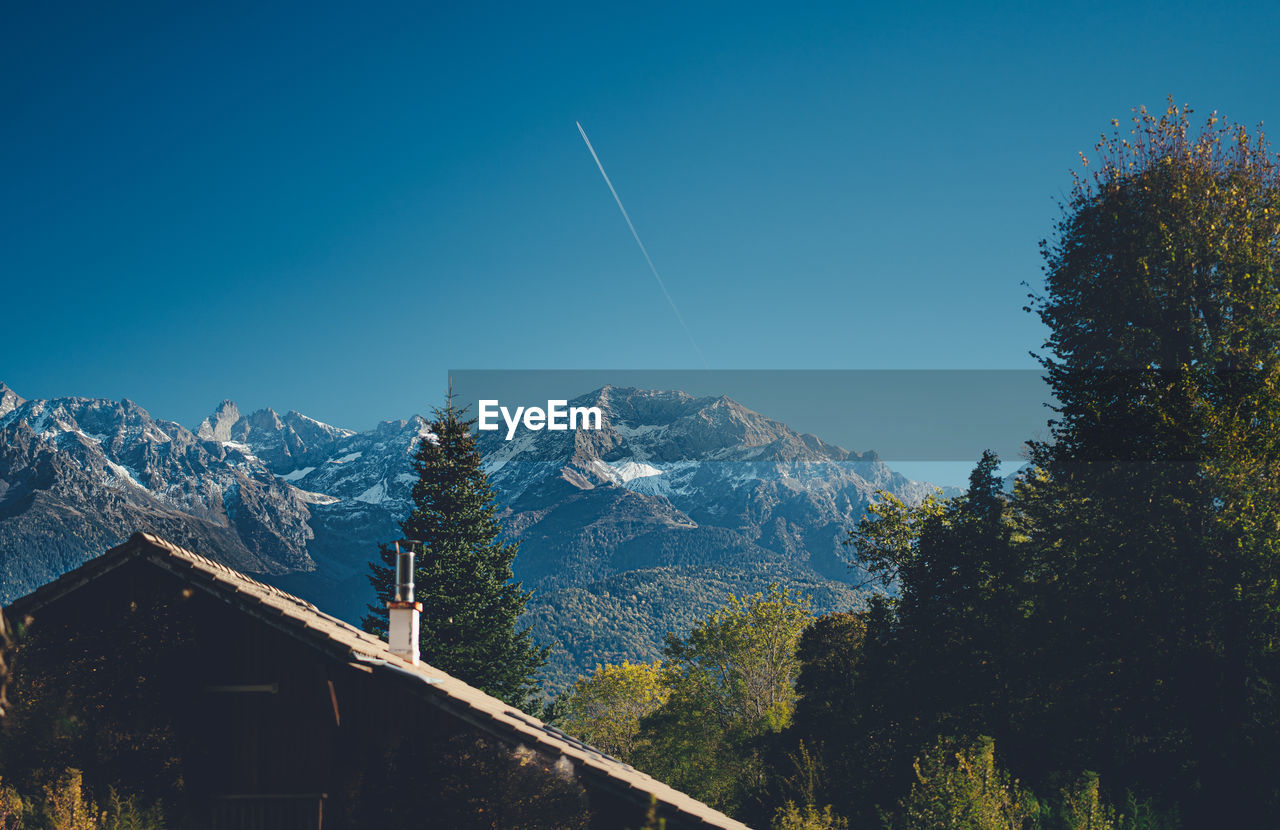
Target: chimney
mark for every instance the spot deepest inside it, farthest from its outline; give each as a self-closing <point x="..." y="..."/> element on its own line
<point x="402" y="632"/>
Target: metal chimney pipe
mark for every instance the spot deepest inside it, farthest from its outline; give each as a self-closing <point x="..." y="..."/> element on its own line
<point x="404" y="574"/>
<point x="403" y="613"/>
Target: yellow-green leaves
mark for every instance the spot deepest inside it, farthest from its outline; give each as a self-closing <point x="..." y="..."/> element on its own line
<point x="741" y="661"/>
<point x="959" y="786"/>
<point x="605" y="709"/>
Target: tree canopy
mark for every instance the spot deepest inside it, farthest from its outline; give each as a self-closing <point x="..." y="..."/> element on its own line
<point x="1157" y="521"/>
<point x="606" y="708"/>
<point x="1119" y="611"/>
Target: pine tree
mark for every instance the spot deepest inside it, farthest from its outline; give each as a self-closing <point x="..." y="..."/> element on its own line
<point x="470" y="601"/>
<point x="942" y="657"/>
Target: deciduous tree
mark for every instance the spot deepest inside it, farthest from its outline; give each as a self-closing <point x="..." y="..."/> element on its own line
<point x="732" y="682"/>
<point x="959" y="786"/>
<point x="606" y="708"/>
<point x="1156" y="524"/>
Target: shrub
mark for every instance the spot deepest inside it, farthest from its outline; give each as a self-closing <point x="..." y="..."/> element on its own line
<point x="808" y="817"/>
<point x="959" y="786"/>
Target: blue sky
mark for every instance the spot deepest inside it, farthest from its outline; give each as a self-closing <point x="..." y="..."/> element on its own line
<point x="325" y="208"/>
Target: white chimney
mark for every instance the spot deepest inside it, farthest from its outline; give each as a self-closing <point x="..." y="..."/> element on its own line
<point x="402" y="631"/>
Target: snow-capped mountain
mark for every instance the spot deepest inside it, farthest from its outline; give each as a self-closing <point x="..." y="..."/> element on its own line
<point x="268" y="494"/>
<point x="670" y="479"/>
<point x="358" y="491"/>
<point x="691" y="497"/>
<point x="280" y="441"/>
<point x="78" y="475"/>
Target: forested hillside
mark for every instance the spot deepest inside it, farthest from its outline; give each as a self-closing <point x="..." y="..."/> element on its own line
<point x="627" y="617"/>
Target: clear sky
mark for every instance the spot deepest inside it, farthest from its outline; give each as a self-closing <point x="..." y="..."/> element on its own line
<point x="325" y="207"/>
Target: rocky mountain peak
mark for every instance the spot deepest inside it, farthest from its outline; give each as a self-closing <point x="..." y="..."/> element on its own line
<point x="674" y="426"/>
<point x="9" y="400"/>
<point x="217" y="427"/>
<point x="115" y="469"/>
<point x="262" y="420"/>
<point x="699" y="453"/>
<point x="313" y="431"/>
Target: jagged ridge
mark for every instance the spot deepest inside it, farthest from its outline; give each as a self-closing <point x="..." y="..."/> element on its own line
<point x="701" y="493"/>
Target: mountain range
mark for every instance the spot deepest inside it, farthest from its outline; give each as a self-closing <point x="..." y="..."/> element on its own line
<point x="626" y="532"/>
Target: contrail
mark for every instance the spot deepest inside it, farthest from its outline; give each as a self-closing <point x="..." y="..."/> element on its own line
<point x="647" y="259"/>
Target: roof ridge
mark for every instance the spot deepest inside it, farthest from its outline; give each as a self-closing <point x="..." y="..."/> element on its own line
<point x="232" y="575"/>
<point x="213" y="564"/>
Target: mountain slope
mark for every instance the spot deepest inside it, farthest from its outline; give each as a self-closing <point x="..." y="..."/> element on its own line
<point x="671" y="479"/>
<point x="358" y="495"/>
<point x="626" y="532"/>
<point x="626" y="616"/>
<point x="79" y="475"/>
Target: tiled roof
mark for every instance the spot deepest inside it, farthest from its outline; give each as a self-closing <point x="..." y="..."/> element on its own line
<point x="304" y="621"/>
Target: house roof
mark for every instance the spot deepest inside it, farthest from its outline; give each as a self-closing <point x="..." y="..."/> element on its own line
<point x="341" y="640"/>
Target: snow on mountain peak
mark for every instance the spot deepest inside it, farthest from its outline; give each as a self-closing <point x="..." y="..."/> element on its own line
<point x="295" y="416"/>
<point x="628" y="470"/>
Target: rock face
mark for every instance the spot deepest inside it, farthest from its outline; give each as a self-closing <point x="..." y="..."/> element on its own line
<point x="625" y="531"/>
<point x="674" y="480"/>
<point x="9" y="400"/>
<point x="280" y="442"/>
<point x="79" y="475"/>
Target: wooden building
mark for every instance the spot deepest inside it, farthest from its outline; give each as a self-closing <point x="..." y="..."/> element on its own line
<point x="265" y="712"/>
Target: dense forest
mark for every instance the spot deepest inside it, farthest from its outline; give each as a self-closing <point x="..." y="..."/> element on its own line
<point x="615" y="618"/>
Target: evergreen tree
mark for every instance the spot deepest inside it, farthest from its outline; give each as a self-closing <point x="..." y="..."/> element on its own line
<point x="470" y="602"/>
<point x="941" y="656"/>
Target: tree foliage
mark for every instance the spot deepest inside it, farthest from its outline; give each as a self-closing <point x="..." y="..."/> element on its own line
<point x="791" y="816"/>
<point x="1121" y="610"/>
<point x="78" y="706"/>
<point x="628" y="615"/>
<point x="606" y="708"/>
<point x="828" y="654"/>
<point x="1156" y="523"/>
<point x="463" y="578"/>
<point x="701" y="720"/>
<point x="1081" y="806"/>
<point x="937" y="656"/>
<point x="959" y="786"/>
<point x="739" y="664"/>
